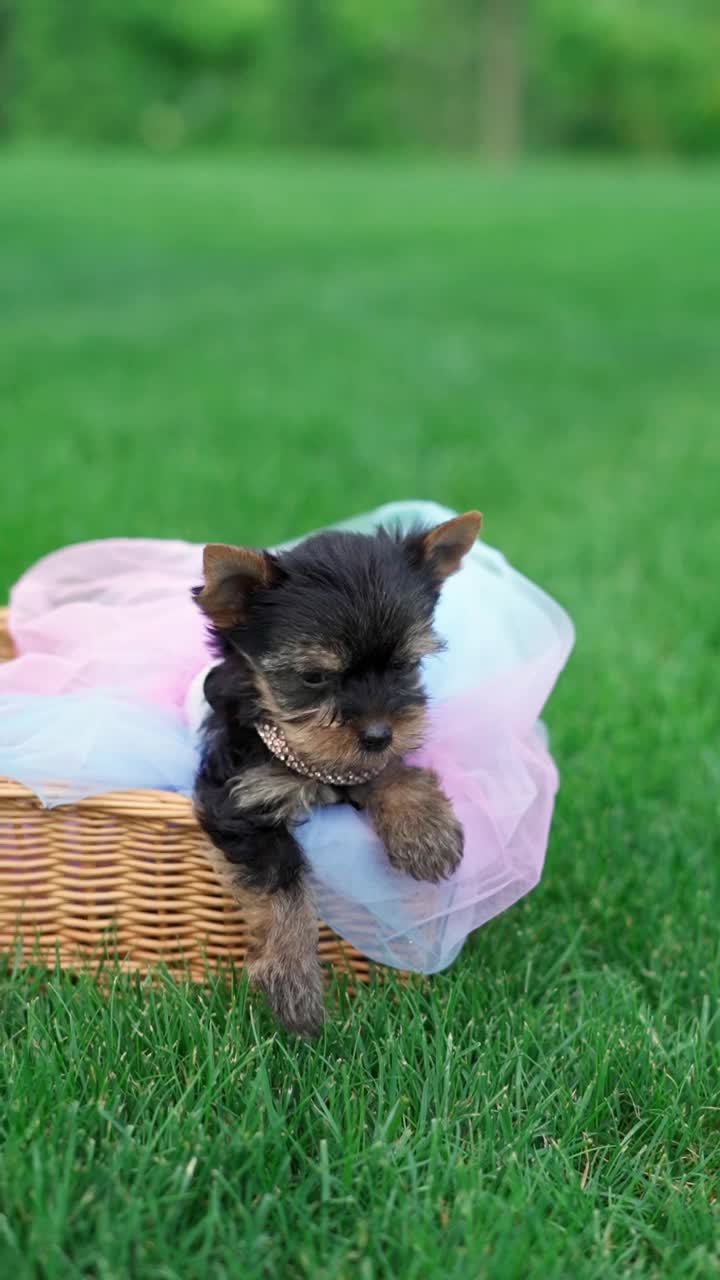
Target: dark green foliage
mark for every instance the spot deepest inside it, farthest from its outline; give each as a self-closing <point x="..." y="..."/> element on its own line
<point x="628" y="74"/>
<point x="624" y="74"/>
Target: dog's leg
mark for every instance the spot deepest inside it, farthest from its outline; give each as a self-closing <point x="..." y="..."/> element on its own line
<point x="262" y="865"/>
<point x="415" y="821"/>
<point x="283" y="959"/>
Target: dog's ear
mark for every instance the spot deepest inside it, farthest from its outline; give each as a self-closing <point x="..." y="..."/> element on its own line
<point x="231" y="575"/>
<point x="442" y="549"/>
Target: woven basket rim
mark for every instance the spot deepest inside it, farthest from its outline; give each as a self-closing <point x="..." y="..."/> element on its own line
<point x="138" y="804"/>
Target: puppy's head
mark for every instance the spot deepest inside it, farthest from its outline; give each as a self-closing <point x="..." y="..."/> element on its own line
<point x="333" y="633"/>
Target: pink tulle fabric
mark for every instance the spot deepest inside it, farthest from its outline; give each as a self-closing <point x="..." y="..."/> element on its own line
<point x="115" y="614"/>
<point x="115" y="619"/>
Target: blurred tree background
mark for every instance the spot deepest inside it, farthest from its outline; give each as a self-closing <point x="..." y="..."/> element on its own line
<point x="450" y="74"/>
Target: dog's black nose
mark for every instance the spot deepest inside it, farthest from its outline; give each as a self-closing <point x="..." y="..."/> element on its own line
<point x="376" y="736"/>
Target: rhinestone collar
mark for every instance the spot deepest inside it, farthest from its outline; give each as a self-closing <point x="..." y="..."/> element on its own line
<point x="277" y="744"/>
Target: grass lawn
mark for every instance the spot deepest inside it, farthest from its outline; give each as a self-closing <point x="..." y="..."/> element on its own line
<point x="231" y="349"/>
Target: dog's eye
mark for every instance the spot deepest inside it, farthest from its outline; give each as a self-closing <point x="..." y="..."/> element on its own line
<point x="403" y="664"/>
<point x="314" y="679"/>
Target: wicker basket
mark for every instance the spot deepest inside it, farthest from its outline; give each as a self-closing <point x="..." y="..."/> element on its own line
<point x="126" y="868"/>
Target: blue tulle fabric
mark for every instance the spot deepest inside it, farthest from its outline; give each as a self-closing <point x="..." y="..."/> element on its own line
<point x="69" y="746"/>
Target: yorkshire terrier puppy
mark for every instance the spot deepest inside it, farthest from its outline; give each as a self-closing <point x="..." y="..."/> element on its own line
<point x="316" y="700"/>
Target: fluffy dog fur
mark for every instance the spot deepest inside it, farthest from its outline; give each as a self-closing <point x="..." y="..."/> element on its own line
<point x="324" y="641"/>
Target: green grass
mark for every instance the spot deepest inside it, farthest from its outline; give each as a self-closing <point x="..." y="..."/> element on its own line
<point x="230" y="349"/>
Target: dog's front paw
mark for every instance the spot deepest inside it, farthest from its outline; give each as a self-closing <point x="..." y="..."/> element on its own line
<point x="294" y="993"/>
<point x="416" y="823"/>
<point x="432" y="850"/>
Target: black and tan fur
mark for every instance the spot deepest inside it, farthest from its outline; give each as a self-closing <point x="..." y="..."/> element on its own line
<point x="325" y="641"/>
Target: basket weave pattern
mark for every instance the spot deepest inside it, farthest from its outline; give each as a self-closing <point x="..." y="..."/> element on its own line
<point x="126" y="868"/>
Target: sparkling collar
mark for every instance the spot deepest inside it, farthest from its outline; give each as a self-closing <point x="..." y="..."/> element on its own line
<point x="277" y="744"/>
